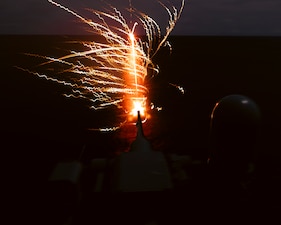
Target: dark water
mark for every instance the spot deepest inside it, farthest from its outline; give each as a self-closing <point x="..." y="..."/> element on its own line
<point x="40" y="127"/>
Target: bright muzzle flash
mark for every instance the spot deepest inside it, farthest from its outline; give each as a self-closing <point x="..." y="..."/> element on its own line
<point x="112" y="72"/>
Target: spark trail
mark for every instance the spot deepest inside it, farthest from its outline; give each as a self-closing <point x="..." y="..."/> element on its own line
<point x="113" y="71"/>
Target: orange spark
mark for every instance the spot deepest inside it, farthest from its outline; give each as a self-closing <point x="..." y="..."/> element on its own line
<point x="137" y="101"/>
<point x="113" y="72"/>
<point x="138" y="104"/>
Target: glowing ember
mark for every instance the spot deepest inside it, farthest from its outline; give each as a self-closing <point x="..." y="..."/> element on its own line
<point x="113" y="72"/>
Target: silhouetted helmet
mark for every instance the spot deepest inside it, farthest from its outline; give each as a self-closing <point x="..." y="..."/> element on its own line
<point x="234" y="129"/>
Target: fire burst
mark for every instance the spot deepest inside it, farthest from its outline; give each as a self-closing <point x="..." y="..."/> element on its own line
<point x="113" y="72"/>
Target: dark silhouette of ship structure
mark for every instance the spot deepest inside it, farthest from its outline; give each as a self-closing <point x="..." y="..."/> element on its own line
<point x="140" y="169"/>
<point x="159" y="188"/>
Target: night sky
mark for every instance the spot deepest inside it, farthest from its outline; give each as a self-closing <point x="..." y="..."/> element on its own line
<point x="200" y="17"/>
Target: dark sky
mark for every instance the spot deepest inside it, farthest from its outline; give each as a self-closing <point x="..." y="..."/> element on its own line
<point x="200" y="17"/>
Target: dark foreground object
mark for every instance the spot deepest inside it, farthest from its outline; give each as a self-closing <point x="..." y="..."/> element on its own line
<point x="144" y="186"/>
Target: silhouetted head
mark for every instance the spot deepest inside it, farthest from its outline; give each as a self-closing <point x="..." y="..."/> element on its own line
<point x="234" y="130"/>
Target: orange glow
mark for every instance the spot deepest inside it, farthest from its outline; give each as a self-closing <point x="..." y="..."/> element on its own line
<point x="137" y="99"/>
<point x="134" y="56"/>
<point x="112" y="72"/>
<point x="138" y="105"/>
